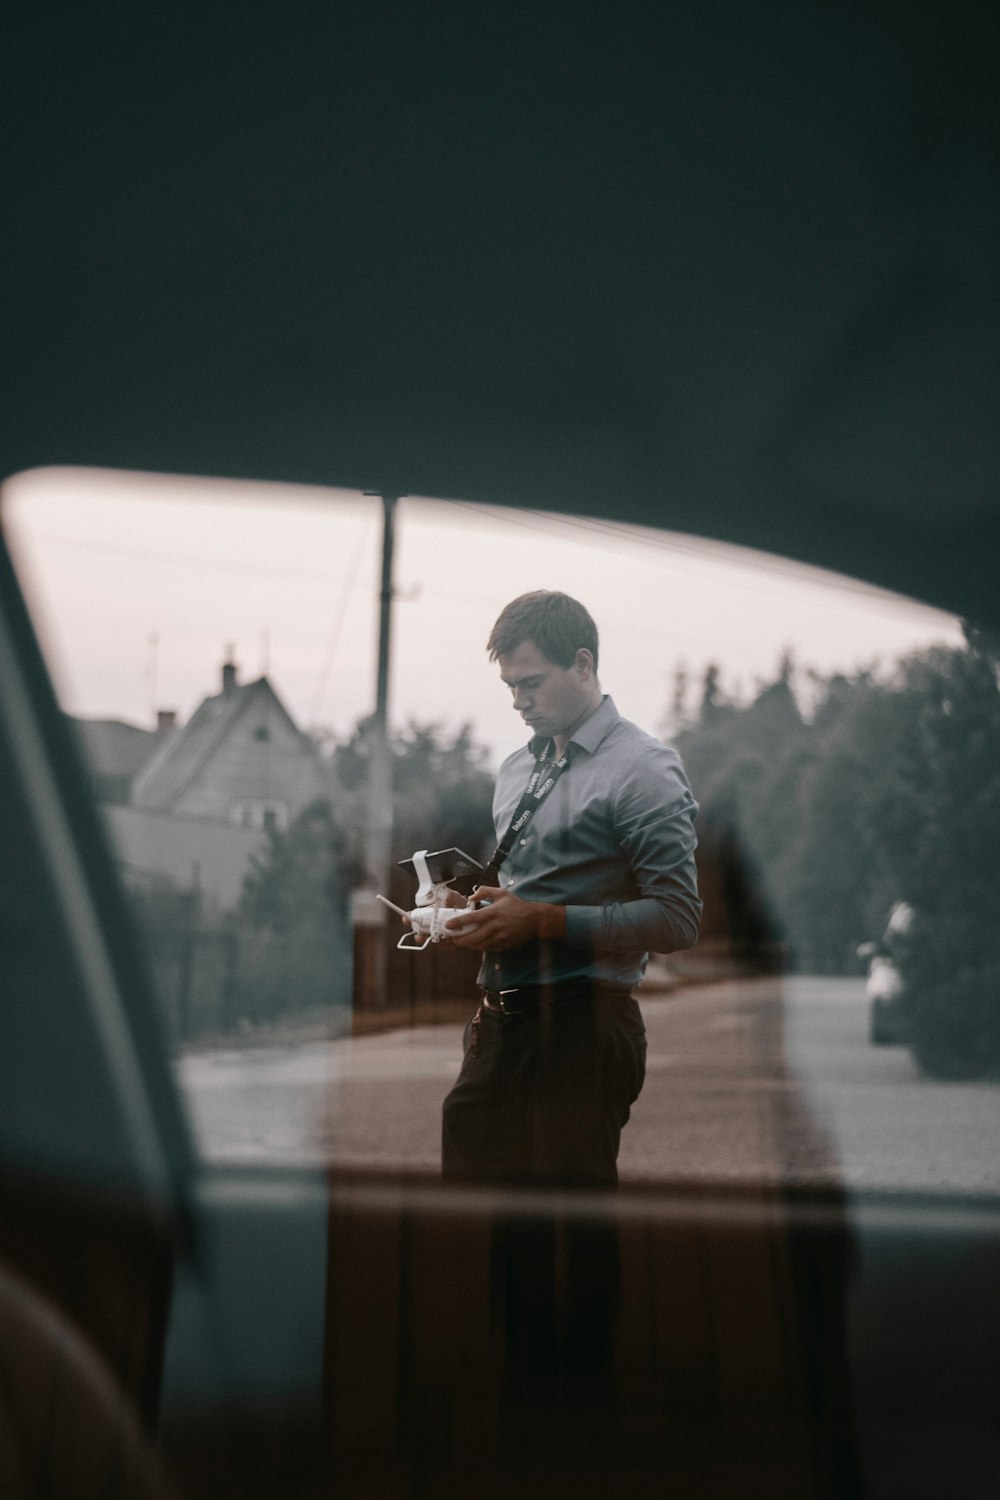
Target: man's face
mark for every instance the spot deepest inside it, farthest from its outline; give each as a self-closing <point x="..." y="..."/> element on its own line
<point x="549" y="698"/>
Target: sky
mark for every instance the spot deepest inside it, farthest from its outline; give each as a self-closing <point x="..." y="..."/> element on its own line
<point x="140" y="586"/>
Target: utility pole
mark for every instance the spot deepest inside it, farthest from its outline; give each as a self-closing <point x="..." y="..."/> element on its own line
<point x="369" y="914"/>
<point x="380" y="786"/>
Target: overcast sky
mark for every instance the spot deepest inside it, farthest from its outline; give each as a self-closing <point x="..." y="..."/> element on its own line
<point x="140" y="584"/>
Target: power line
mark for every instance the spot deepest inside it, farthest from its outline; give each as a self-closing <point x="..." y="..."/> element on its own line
<point x="187" y="560"/>
<point x="705" y="551"/>
<point x="340" y="615"/>
<point x="549" y="523"/>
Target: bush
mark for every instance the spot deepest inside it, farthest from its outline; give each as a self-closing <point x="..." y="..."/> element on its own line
<point x="952" y="971"/>
<point x="951" y="997"/>
<point x="954" y="1032"/>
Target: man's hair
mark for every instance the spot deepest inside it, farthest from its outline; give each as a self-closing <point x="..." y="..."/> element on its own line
<point x="557" y="624"/>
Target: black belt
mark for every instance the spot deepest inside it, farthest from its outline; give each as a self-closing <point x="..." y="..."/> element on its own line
<point x="515" y="1002"/>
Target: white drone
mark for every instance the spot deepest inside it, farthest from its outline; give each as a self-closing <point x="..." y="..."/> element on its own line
<point x="431" y="916"/>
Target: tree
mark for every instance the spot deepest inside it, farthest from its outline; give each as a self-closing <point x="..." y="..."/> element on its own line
<point x="738" y="759"/>
<point x="292" y="922"/>
<point x="945" y="813"/>
<point x="300" y="877"/>
<point x="442" y="797"/>
<point x="712" y="698"/>
<point x="442" y="789"/>
<point x="838" y="877"/>
<point x="794" y="798"/>
<point x="890" y="792"/>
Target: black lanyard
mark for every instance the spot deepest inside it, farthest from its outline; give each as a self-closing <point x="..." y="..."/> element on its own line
<point x="539" y="786"/>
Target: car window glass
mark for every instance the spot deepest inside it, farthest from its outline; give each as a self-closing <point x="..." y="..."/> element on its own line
<point x="217" y="646"/>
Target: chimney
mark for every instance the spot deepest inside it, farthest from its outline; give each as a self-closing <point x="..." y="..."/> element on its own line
<point x="228" y="674"/>
<point x="166" y="720"/>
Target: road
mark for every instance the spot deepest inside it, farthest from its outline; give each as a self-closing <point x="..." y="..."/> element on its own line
<point x="750" y="1081"/>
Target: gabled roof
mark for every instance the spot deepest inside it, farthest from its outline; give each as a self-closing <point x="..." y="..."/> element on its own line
<point x="114" y="748"/>
<point x="169" y="773"/>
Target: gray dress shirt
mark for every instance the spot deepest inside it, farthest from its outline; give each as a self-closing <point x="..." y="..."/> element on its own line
<point x="614" y="843"/>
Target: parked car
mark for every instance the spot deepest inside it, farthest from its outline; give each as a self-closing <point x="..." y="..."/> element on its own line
<point x="884" y="985"/>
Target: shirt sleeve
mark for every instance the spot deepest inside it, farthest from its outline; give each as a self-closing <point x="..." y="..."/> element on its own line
<point x="653" y="817"/>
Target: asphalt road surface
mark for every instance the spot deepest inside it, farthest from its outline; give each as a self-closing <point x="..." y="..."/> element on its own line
<point x="749" y="1081"/>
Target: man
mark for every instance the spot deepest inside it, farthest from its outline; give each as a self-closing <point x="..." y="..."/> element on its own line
<point x="594" y="868"/>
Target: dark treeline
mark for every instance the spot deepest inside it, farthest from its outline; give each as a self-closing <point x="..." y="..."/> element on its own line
<point x="814" y="824"/>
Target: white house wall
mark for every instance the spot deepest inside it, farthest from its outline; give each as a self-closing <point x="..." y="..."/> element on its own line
<point x="246" y="769"/>
<point x="188" y="851"/>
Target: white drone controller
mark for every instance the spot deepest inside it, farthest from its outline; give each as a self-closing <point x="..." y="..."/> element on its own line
<point x="431" y="916"/>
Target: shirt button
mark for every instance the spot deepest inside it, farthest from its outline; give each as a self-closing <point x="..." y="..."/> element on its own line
<point x="523" y="842"/>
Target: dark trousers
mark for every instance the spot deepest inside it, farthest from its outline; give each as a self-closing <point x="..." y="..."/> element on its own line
<point x="541" y="1098"/>
<point x="543" y="1092"/>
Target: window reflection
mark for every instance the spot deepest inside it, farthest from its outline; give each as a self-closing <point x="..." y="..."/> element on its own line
<point x="810" y="1037"/>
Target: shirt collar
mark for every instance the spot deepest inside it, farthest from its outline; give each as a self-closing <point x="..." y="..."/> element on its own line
<point x="591" y="732"/>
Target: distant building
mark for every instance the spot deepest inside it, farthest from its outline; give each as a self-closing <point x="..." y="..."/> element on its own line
<point x="192" y="804"/>
<point x="240" y="760"/>
<point x="115" y="753"/>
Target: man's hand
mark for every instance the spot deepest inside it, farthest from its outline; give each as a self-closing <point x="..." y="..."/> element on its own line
<point x="507" y="922"/>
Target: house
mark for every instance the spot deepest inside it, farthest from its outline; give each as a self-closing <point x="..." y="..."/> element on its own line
<point x="192" y="804"/>
<point x="240" y="759"/>
<point x="116" y="752"/>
